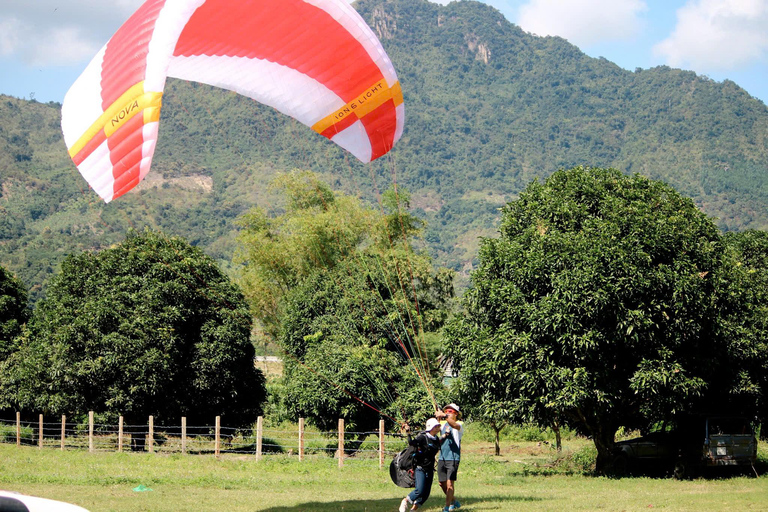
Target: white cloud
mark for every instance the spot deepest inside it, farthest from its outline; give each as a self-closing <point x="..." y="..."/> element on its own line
<point x="52" y="32"/>
<point x="583" y="22"/>
<point x="717" y="35"/>
<point x="62" y="46"/>
<point x="10" y="36"/>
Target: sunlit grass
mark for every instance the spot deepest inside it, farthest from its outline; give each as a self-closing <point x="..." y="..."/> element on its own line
<point x="528" y="476"/>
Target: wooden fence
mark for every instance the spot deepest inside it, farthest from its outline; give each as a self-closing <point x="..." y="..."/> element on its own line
<point x="207" y="439"/>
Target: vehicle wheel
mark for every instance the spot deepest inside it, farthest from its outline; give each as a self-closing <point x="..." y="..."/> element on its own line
<point x="620" y="465"/>
<point x="683" y="470"/>
<point x="680" y="470"/>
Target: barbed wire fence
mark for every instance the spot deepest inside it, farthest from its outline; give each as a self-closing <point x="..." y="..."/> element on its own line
<point x="216" y="440"/>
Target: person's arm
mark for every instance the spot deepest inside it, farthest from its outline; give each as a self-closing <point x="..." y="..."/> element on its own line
<point x="453" y="421"/>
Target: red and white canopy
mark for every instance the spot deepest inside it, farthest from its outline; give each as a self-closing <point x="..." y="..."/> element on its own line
<point x="314" y="60"/>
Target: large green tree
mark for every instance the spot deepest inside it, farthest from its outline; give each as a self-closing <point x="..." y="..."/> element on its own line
<point x="353" y="306"/>
<point x="149" y="326"/>
<point x="607" y="301"/>
<point x="749" y="319"/>
<point x="13" y="311"/>
<point x="353" y="341"/>
<point x="315" y="229"/>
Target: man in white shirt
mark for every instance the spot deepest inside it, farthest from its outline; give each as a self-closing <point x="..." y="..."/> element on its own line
<point x="450" y="453"/>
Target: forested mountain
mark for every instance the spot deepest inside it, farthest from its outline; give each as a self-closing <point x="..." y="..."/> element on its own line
<point x="488" y="109"/>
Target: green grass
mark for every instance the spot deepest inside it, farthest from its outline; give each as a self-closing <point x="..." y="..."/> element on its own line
<point x="529" y="476"/>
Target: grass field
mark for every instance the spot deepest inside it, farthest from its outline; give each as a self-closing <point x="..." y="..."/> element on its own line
<point x="527" y="477"/>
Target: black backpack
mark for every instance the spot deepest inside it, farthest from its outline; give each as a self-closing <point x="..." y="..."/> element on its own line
<point x="402" y="466"/>
<point x="406" y="459"/>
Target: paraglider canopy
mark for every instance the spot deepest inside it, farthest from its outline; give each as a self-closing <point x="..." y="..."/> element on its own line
<point x="314" y="60"/>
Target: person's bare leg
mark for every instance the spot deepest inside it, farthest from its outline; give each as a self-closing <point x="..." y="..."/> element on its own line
<point x="449" y="492"/>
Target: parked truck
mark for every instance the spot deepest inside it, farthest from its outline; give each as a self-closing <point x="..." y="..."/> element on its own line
<point x="688" y="446"/>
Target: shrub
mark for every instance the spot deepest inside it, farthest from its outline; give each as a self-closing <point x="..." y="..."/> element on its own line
<point x="8" y="434"/>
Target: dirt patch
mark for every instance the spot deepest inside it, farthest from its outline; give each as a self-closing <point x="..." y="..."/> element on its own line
<point x="197" y="182"/>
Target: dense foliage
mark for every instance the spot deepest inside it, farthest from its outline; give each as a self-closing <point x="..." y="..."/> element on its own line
<point x="608" y="301"/>
<point x="351" y="304"/>
<point x="13" y="311"/>
<point x="317" y="229"/>
<point x="148" y="327"/>
<point x="350" y="336"/>
<point x="488" y="107"/>
<point x="750" y="317"/>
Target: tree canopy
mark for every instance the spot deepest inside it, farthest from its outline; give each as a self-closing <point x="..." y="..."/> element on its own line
<point x="13" y="310"/>
<point x="149" y="326"/>
<point x="351" y="335"/>
<point x="749" y="320"/>
<point x="351" y="303"/>
<point x="606" y="301"/>
<point x="316" y="229"/>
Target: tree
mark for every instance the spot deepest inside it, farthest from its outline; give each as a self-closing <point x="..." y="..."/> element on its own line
<point x="148" y="327"/>
<point x="14" y="312"/>
<point x="351" y="303"/>
<point x="484" y="388"/>
<point x="354" y="348"/>
<point x="317" y="229"/>
<point x="749" y="319"/>
<point x="603" y="304"/>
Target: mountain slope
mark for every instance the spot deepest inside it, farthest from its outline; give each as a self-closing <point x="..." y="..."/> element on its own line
<point x="488" y="109"/>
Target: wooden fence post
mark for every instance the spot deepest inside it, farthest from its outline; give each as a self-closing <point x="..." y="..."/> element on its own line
<point x="63" y="430"/>
<point x="217" y="446"/>
<point x="259" y="435"/>
<point x="183" y="434"/>
<point x="381" y="444"/>
<point x="120" y="434"/>
<point x="341" y="442"/>
<point x="301" y="439"/>
<point x="40" y="433"/>
<point x="151" y="440"/>
<point x="90" y="431"/>
<point x="18" y="428"/>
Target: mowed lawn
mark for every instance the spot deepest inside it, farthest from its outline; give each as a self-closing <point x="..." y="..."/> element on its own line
<point x="527" y="477"/>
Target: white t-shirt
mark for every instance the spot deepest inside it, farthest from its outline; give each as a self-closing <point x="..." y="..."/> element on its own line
<point x="451" y="447"/>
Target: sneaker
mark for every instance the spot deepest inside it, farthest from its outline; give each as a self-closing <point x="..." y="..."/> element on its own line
<point x="403" y="505"/>
<point x="449" y="508"/>
<point x="456" y="504"/>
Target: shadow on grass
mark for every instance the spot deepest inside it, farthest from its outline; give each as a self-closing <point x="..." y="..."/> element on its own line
<point x="269" y="446"/>
<point x="389" y="504"/>
<point x="708" y="473"/>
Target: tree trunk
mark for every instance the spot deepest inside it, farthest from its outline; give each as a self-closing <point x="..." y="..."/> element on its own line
<point x="558" y="439"/>
<point x="604" y="442"/>
<point x="353" y="446"/>
<point x="137" y="432"/>
<point x="138" y="440"/>
<point x="496" y="430"/>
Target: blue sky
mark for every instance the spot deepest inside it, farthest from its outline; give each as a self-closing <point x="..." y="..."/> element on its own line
<point x="45" y="44"/>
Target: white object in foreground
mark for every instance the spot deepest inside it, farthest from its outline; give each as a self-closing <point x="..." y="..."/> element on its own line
<point x="15" y="502"/>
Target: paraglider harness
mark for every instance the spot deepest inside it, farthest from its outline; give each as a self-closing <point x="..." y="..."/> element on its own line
<point x="403" y="465"/>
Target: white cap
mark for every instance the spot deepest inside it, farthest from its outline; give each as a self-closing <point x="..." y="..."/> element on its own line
<point x="452" y="406"/>
<point x="432" y="423"/>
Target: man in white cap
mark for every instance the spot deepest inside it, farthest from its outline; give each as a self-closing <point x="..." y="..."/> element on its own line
<point x="427" y="445"/>
<point x="450" y="453"/>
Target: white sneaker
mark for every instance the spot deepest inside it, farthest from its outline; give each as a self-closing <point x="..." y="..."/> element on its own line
<point x="403" y="505"/>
